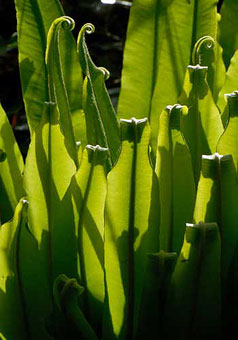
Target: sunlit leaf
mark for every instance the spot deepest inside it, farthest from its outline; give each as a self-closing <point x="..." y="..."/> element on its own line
<point x="230" y="85"/>
<point x="101" y="120"/>
<point x="208" y="52"/>
<point x="88" y="189"/>
<point x="175" y="177"/>
<point x="11" y="168"/>
<point x="34" y="18"/>
<point x="161" y="35"/>
<point x="228" y="29"/>
<point x="47" y="178"/>
<point x="202" y="126"/>
<point x="56" y="82"/>
<point x="228" y="143"/>
<point x="13" y="315"/>
<point x="131" y="230"/>
<point x="207" y="199"/>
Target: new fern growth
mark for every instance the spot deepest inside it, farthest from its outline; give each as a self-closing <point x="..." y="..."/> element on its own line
<point x="123" y="225"/>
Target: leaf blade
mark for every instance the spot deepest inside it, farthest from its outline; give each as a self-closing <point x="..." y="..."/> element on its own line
<point x="101" y="120"/>
<point x="130" y="234"/>
<point x="34" y="18"/>
<point x="11" y="169"/>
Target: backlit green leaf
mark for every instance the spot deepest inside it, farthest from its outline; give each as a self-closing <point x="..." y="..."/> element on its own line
<point x="11" y="168"/>
<point x="228" y="29"/>
<point x="228" y="143"/>
<point x="202" y="126"/>
<point x="175" y="177"/>
<point x="56" y="83"/>
<point x="157" y="51"/>
<point x="207" y="200"/>
<point x="88" y="189"/>
<point x="101" y="120"/>
<point x="208" y="52"/>
<point x="47" y="178"/>
<point x="34" y="18"/>
<point x="13" y="315"/>
<point x="216" y="200"/>
<point x="230" y="85"/>
<point x="131" y="230"/>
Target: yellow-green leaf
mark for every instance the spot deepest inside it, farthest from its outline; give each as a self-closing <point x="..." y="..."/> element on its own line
<point x="11" y="169"/>
<point x="131" y="230"/>
<point x="14" y="322"/>
<point x="34" y="18"/>
<point x="101" y="120"/>
<point x="47" y="177"/>
<point x="176" y="181"/>
<point x="202" y="126"/>
<point x="88" y="190"/>
<point x="56" y="82"/>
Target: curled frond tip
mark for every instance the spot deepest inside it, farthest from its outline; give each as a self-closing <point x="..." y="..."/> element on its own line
<point x="105" y="72"/>
<point x="67" y="23"/>
<point x="207" y="42"/>
<point x="88" y="28"/>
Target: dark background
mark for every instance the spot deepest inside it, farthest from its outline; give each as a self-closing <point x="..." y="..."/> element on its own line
<point x="106" y="48"/>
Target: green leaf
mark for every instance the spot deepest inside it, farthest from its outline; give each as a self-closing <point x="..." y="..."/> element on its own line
<point x="66" y="293"/>
<point x="193" y="309"/>
<point x="158" y="274"/>
<point x="160" y="38"/>
<point x="205" y="19"/>
<point x="88" y="189"/>
<point x="34" y="18"/>
<point x="131" y="230"/>
<point x="101" y="120"/>
<point x="228" y="29"/>
<point x="11" y="169"/>
<point x="217" y="75"/>
<point x="207" y="200"/>
<point x="13" y="315"/>
<point x="208" y="52"/>
<point x="217" y="201"/>
<point x="202" y="126"/>
<point x="230" y="85"/>
<point x="24" y="301"/>
<point x="47" y="177"/>
<point x="56" y="82"/>
<point x="228" y="143"/>
<point x="176" y="181"/>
